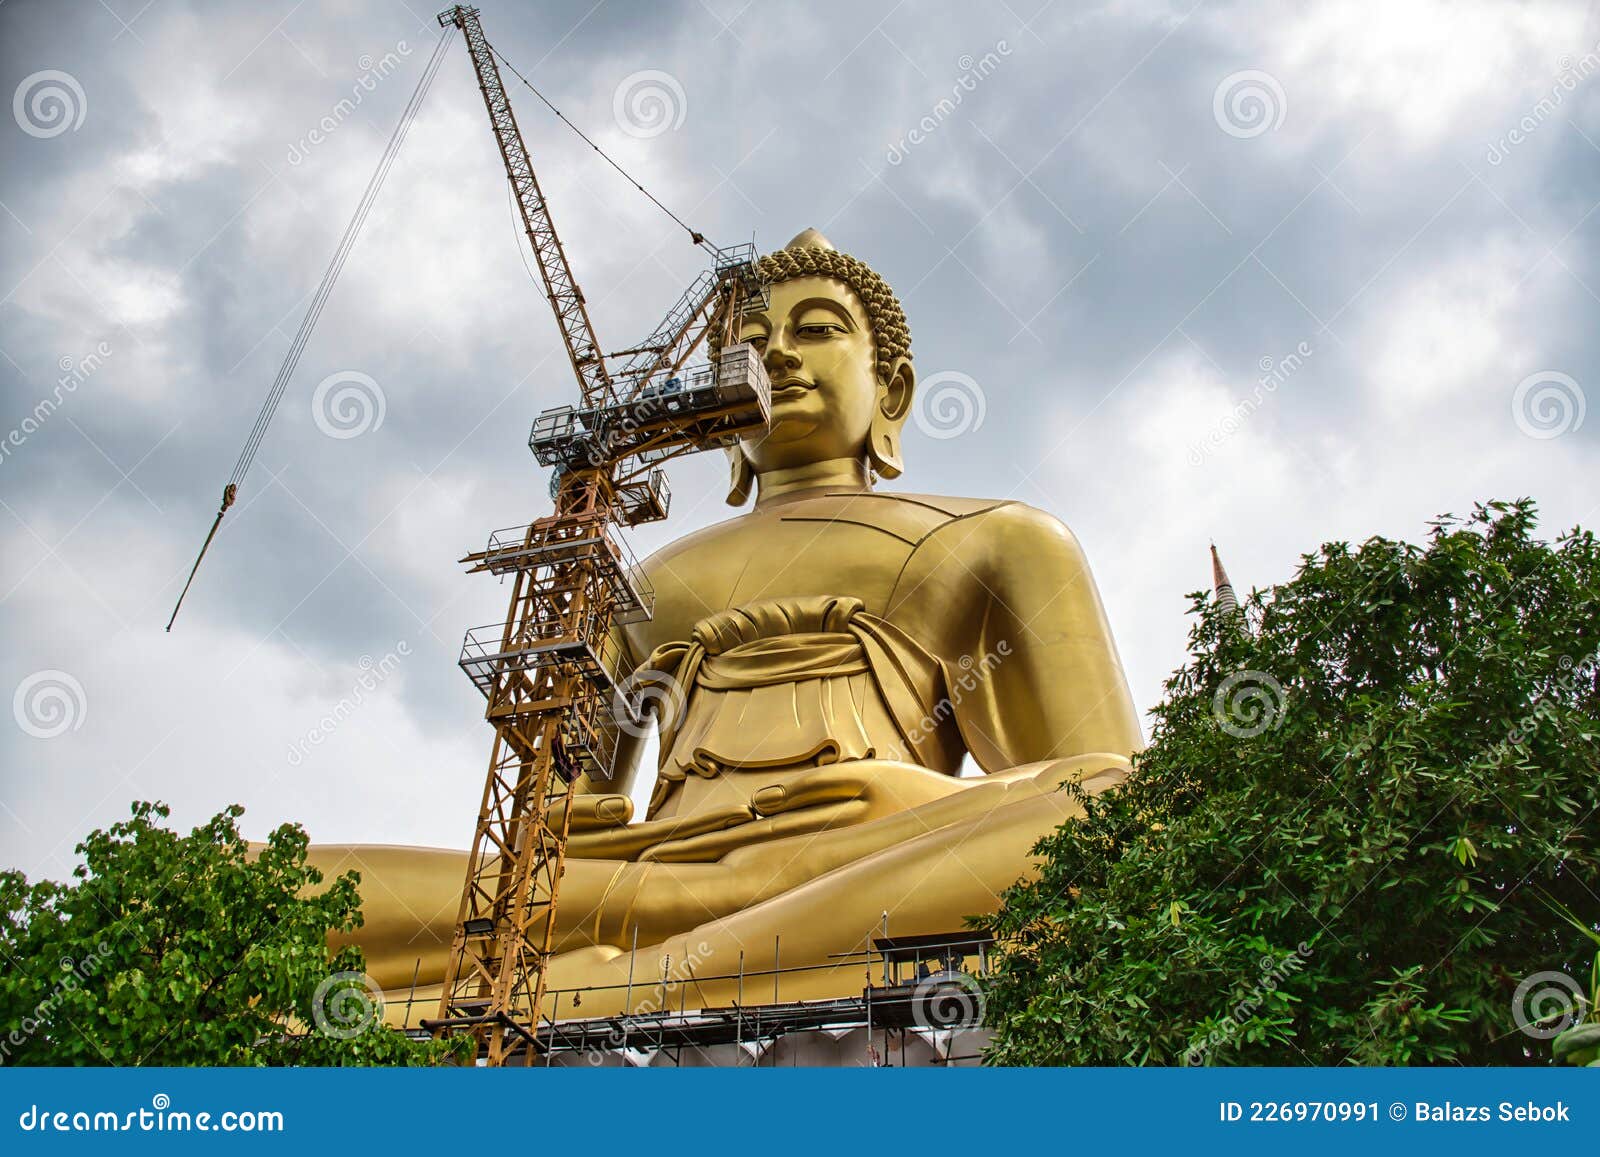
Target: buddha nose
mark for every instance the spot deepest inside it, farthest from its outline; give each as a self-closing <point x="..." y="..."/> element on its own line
<point x="780" y="355"/>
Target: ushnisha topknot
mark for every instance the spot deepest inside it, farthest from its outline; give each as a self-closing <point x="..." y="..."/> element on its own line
<point x="812" y="255"/>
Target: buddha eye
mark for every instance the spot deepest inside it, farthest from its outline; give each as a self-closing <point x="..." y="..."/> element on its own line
<point x="758" y="340"/>
<point x="819" y="329"/>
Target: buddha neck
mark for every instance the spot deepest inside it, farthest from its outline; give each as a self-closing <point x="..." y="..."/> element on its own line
<point x="832" y="474"/>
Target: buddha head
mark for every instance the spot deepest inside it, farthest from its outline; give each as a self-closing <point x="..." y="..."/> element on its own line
<point x="838" y="352"/>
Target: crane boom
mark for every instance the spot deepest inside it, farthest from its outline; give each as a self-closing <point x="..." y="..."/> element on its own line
<point x="566" y="299"/>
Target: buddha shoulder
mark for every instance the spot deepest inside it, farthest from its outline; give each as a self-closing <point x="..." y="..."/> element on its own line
<point x="909" y="518"/>
<point x="995" y="540"/>
<point x="999" y="527"/>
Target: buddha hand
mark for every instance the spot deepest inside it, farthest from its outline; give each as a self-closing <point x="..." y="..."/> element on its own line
<point x="592" y="813"/>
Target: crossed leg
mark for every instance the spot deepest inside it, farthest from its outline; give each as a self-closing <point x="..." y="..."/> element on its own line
<point x="823" y="889"/>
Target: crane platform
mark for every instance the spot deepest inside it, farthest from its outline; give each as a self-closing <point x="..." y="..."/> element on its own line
<point x="700" y="409"/>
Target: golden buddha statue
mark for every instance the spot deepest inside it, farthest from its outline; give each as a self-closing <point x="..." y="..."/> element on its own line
<point x="820" y="667"/>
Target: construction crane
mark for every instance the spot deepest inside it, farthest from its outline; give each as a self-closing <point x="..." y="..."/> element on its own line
<point x="548" y="671"/>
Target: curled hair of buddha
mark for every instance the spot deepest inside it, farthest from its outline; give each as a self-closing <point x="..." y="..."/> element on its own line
<point x="812" y="255"/>
<point x="890" y="333"/>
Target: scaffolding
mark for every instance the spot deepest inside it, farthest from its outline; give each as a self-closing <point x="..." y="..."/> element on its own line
<point x="706" y="407"/>
<point x="914" y="985"/>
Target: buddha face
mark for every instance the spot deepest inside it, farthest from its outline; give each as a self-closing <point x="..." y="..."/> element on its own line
<point x="816" y="340"/>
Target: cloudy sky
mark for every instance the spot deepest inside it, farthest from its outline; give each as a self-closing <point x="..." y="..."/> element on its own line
<point x="1266" y="274"/>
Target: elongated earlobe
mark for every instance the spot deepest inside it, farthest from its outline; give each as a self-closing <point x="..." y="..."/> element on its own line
<point x="740" y="477"/>
<point x="883" y="448"/>
<point x="894" y="406"/>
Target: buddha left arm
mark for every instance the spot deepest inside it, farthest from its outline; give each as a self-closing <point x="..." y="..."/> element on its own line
<point x="1043" y="680"/>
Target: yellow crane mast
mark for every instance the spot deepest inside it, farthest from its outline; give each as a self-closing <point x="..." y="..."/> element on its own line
<point x="547" y="671"/>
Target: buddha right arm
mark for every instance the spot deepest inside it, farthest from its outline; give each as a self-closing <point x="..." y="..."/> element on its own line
<point x="1006" y="598"/>
<point x="606" y="802"/>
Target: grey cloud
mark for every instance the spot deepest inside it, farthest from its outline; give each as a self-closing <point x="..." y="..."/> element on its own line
<point x="173" y="226"/>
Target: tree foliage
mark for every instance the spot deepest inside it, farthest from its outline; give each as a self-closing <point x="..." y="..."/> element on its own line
<point x="1366" y="796"/>
<point x="168" y="949"/>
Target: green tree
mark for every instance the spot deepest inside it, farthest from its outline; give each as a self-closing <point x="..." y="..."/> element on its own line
<point x="1362" y="795"/>
<point x="168" y="949"/>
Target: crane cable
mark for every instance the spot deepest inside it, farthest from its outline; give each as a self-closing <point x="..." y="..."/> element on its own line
<point x="347" y="242"/>
<point x="695" y="235"/>
<point x="319" y="301"/>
